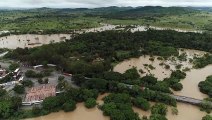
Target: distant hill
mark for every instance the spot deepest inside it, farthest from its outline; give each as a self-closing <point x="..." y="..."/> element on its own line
<point x="153" y="11"/>
<point x="209" y="9"/>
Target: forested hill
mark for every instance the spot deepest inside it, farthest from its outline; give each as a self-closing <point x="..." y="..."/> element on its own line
<point x="155" y="11"/>
<point x="208" y="9"/>
<point x="110" y="10"/>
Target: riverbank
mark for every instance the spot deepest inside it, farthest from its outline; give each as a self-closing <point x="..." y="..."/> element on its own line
<point x="82" y="113"/>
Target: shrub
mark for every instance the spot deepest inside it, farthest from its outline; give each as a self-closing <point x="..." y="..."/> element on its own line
<point x="90" y="103"/>
<point x="177" y="86"/>
<point x="69" y="106"/>
<point x="19" y="89"/>
<point x="159" y="108"/>
<point x="141" y="103"/>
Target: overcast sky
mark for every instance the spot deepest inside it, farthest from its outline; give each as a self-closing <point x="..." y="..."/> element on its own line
<point x="101" y="3"/>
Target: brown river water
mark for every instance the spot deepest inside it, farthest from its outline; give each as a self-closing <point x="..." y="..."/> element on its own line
<point x="34" y="40"/>
<point x="30" y="40"/>
<point x="185" y="112"/>
<point x="190" y="84"/>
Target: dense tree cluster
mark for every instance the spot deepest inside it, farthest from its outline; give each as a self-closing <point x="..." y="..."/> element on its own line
<point x="158" y="112"/>
<point x="90" y="103"/>
<point x="206" y="86"/>
<point x="141" y="103"/>
<point x="7" y="78"/>
<point x="203" y="61"/>
<point x="158" y="97"/>
<point x="19" y="89"/>
<point x="67" y="101"/>
<point x="159" y="109"/>
<point x="33" y="74"/>
<point x="2" y="92"/>
<point x="9" y="106"/>
<point x="178" y="74"/>
<point x="119" y="107"/>
<point x="13" y="66"/>
<point x="207" y="117"/>
<point x="206" y="106"/>
<point x="92" y="53"/>
<point x="27" y="83"/>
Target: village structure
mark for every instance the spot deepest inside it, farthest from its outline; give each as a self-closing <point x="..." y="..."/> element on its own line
<point x="33" y="95"/>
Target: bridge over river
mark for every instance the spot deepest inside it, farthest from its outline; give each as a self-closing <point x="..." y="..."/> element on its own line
<point x="184" y="99"/>
<point x="188" y="100"/>
<point x="178" y="98"/>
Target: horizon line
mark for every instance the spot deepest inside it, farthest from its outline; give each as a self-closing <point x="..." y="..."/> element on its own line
<point x="1" y="7"/>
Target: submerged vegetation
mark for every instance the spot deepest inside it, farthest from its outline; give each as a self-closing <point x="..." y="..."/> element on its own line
<point x="206" y="86"/>
<point x="203" y="61"/>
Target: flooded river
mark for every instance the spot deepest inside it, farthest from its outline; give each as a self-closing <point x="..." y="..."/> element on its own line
<point x="34" y="40"/>
<point x="190" y="89"/>
<point x="185" y="112"/>
<point x="80" y="113"/>
<point x="190" y="83"/>
<point x="30" y="40"/>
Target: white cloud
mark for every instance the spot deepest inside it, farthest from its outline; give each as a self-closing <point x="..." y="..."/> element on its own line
<point x="101" y="3"/>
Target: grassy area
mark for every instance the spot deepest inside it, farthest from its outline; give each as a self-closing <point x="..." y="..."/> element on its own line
<point x="53" y="23"/>
<point x="63" y="20"/>
<point x="44" y="19"/>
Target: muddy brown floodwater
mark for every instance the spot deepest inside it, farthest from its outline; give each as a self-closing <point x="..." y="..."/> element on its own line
<point x="80" y="113"/>
<point x="190" y="89"/>
<point x="185" y="112"/>
<point x="34" y="40"/>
